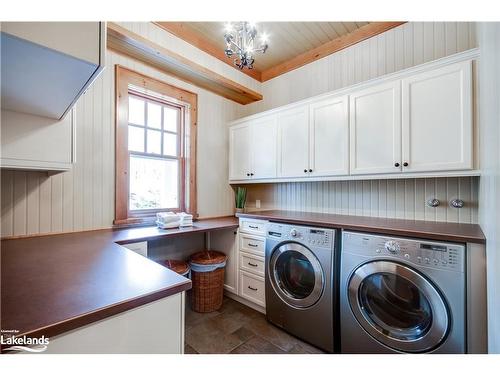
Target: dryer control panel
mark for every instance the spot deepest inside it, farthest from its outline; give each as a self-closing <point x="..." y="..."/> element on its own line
<point x="440" y="255"/>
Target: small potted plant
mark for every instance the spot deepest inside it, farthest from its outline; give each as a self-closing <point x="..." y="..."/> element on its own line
<point x="240" y="198"/>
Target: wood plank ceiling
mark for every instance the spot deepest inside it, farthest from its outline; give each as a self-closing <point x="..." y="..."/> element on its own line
<point x="291" y="44"/>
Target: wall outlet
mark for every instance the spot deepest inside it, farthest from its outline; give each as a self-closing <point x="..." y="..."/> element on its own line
<point x="257" y="203"/>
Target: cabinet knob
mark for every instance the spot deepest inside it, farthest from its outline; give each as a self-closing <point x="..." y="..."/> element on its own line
<point x="405" y="164"/>
<point x="251" y="174"/>
<point x="248" y="174"/>
<point x="310" y="170"/>
<point x="305" y="170"/>
<point x="396" y="165"/>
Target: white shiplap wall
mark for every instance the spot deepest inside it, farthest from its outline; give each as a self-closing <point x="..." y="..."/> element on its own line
<point x="402" y="47"/>
<point x="82" y="199"/>
<point x="402" y="199"/>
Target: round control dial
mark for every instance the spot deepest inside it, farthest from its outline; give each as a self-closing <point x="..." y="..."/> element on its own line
<point x="392" y="247"/>
<point x="293" y="233"/>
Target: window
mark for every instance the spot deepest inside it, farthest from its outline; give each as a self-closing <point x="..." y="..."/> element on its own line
<point x="155" y="148"/>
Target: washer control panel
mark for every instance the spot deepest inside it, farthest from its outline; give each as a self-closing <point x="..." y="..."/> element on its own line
<point x="424" y="253"/>
<point x="312" y="237"/>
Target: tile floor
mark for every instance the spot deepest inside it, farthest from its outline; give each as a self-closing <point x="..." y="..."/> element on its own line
<point x="238" y="329"/>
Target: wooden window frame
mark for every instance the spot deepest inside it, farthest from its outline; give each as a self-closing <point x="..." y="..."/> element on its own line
<point x="127" y="80"/>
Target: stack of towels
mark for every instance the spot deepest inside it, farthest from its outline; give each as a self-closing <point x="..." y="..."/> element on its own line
<point x="166" y="220"/>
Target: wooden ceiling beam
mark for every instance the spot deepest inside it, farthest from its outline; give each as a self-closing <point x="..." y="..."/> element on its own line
<point x="126" y="42"/>
<point x="335" y="45"/>
<point x="184" y="32"/>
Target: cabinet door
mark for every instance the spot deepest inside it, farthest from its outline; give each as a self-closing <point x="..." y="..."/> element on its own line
<point x="264" y="147"/>
<point x="437" y="119"/>
<point x="37" y="143"/>
<point x="293" y="134"/>
<point x="329" y="137"/>
<point x="375" y="129"/>
<point x="239" y="152"/>
<point x="226" y="241"/>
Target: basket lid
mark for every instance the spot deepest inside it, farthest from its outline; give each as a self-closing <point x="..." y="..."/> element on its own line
<point x="178" y="266"/>
<point x="207" y="257"/>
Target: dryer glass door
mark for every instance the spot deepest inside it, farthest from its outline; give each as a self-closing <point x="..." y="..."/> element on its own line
<point x="398" y="306"/>
<point x="296" y="275"/>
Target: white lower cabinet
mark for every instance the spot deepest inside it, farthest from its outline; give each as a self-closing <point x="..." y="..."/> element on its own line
<point x="155" y="328"/>
<point x="248" y="266"/>
<point x="252" y="244"/>
<point x="252" y="288"/>
<point x="252" y="263"/>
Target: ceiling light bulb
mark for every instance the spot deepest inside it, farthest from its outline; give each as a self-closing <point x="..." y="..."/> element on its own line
<point x="252" y="25"/>
<point x="264" y="38"/>
<point x="228" y="27"/>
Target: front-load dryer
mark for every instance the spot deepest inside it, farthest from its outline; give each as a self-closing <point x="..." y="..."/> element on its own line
<point x="400" y="295"/>
<point x="299" y="282"/>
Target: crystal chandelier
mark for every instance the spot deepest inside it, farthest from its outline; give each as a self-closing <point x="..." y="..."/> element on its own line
<point x="240" y="41"/>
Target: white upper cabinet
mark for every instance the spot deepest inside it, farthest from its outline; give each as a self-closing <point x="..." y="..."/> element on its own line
<point x="293" y="141"/>
<point x="375" y="129"/>
<point x="47" y="66"/>
<point x="329" y="137"/>
<point x="239" y="152"/>
<point x="437" y="119"/>
<point x="264" y="145"/>
<point x="252" y="149"/>
<point x="37" y="143"/>
<point x="417" y="122"/>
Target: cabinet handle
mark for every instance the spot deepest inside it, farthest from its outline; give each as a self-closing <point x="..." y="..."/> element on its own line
<point x="248" y="174"/>
<point x="305" y="170"/>
<point x="252" y="264"/>
<point x="254" y="289"/>
<point x="253" y="227"/>
<point x="396" y="165"/>
<point x="252" y="245"/>
<point x="310" y="170"/>
<point x="405" y="164"/>
<point x="251" y="174"/>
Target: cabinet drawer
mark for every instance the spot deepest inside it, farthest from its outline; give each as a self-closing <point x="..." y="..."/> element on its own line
<point x="252" y="263"/>
<point x="252" y="244"/>
<point x="252" y="288"/>
<point x="257" y="227"/>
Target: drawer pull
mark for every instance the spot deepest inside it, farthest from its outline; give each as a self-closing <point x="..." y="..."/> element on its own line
<point x="253" y="245"/>
<point x="253" y="227"/>
<point x="254" y="289"/>
<point x="252" y="264"/>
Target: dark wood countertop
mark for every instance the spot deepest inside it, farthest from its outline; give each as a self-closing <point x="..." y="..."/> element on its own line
<point x="56" y="283"/>
<point x="453" y="232"/>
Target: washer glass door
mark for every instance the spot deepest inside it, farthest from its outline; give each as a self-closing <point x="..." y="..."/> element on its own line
<point x="296" y="275"/>
<point x="398" y="306"/>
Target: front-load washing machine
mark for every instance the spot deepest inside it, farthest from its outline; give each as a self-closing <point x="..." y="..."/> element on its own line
<point x="299" y="282"/>
<point x="401" y="295"/>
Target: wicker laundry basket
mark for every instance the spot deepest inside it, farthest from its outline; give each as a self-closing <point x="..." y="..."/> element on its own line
<point x="179" y="266"/>
<point x="207" y="276"/>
